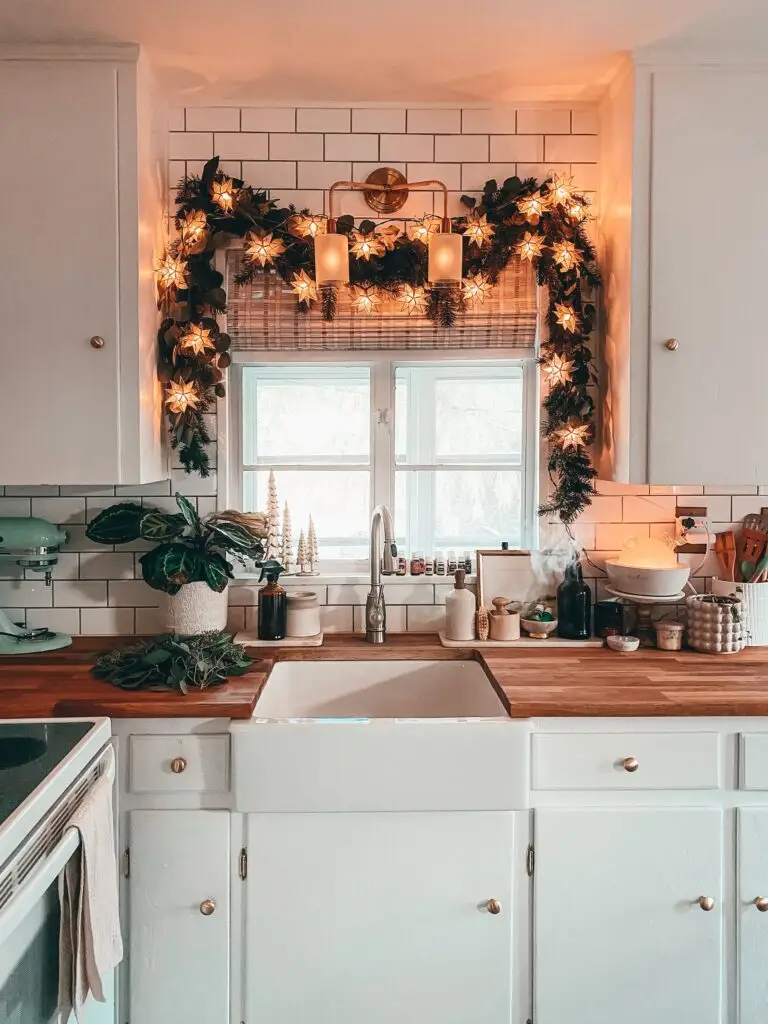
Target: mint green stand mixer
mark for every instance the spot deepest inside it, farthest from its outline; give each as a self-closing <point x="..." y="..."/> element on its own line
<point x="33" y="544"/>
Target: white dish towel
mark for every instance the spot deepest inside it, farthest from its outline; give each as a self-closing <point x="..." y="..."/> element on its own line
<point x="90" y="945"/>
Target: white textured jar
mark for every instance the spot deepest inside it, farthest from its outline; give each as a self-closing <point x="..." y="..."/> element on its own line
<point x="302" y="613"/>
<point x="196" y="609"/>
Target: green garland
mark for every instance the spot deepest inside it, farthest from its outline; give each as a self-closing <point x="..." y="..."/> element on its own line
<point x="539" y="221"/>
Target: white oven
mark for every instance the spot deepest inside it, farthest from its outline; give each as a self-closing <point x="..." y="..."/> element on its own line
<point x="29" y="898"/>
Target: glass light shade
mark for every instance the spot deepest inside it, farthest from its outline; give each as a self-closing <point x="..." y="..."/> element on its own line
<point x="445" y="251"/>
<point x="331" y="259"/>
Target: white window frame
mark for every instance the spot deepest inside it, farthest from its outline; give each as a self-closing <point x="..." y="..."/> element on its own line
<point x="382" y="369"/>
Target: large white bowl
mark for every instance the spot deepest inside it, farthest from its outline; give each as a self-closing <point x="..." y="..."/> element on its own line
<point x="630" y="579"/>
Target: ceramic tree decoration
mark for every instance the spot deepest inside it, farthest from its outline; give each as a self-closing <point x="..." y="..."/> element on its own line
<point x="286" y="546"/>
<point x="312" y="548"/>
<point x="302" y="558"/>
<point x="273" y="519"/>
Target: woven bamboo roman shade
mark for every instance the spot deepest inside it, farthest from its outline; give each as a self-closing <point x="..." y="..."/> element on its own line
<point x="264" y="316"/>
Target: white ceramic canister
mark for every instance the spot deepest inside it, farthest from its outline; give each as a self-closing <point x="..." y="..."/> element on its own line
<point x="460" y="608"/>
<point x="196" y="609"/>
<point x="302" y="613"/>
<point x="754" y="604"/>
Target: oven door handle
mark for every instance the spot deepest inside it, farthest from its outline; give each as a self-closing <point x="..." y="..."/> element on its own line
<point x="38" y="881"/>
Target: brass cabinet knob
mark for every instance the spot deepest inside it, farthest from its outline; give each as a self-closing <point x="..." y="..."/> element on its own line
<point x="178" y="765"/>
<point x="761" y="902"/>
<point x="706" y="902"/>
<point x="672" y="344"/>
<point x="97" y="341"/>
<point x="630" y="764"/>
<point x="207" y="907"/>
<point x="493" y="907"/>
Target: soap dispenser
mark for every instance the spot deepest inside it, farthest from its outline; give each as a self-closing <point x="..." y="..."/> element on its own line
<point x="272" y="604"/>
<point x="574" y="605"/>
<point x="460" y="610"/>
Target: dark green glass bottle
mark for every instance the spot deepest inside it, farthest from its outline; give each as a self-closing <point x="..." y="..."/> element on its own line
<point x="574" y="605"/>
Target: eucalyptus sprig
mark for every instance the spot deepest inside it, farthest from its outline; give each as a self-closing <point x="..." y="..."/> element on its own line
<point x="171" y="662"/>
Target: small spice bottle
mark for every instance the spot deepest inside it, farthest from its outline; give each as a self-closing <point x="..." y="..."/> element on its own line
<point x="440" y="566"/>
<point x="402" y="566"/>
<point x="429" y="566"/>
<point x="417" y="564"/>
<point x="452" y="563"/>
<point x="466" y="562"/>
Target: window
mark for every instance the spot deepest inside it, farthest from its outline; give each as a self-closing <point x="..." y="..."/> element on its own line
<point x="449" y="446"/>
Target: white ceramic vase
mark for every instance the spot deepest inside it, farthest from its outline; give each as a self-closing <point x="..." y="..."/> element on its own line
<point x="196" y="609"/>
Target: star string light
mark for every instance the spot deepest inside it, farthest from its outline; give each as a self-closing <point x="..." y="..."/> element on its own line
<point x="223" y="193"/>
<point x="263" y="248"/>
<point x="193" y="229"/>
<point x="196" y="339"/>
<point x="476" y="287"/>
<point x="558" y="369"/>
<point x="573" y="435"/>
<point x="566" y="255"/>
<point x="479" y="231"/>
<point x="304" y="286"/>
<point x="365" y="246"/>
<point x="171" y="273"/>
<point x="531" y="246"/>
<point x="366" y="301"/>
<point x="560" y="191"/>
<point x="577" y="211"/>
<point x="413" y="299"/>
<point x="566" y="317"/>
<point x="309" y="225"/>
<point x="181" y="395"/>
<point x="532" y="207"/>
<point x="388" y="235"/>
<point x="422" y="230"/>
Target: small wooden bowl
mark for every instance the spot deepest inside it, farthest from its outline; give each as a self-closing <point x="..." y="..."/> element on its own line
<point x="538" y="630"/>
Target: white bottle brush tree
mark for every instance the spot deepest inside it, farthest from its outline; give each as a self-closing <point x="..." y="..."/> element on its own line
<point x="273" y="519"/>
<point x="313" y="554"/>
<point x="286" y="546"/>
<point x="301" y="555"/>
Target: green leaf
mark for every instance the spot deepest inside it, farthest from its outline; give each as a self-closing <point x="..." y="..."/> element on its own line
<point x="189" y="512"/>
<point x="170" y="566"/>
<point x="233" y="537"/>
<point x="157" y="525"/>
<point x="216" y="571"/>
<point x="156" y="657"/>
<point x="367" y="226"/>
<point x="512" y="185"/>
<point x="209" y="171"/>
<point x="117" y="524"/>
<point x="469" y="201"/>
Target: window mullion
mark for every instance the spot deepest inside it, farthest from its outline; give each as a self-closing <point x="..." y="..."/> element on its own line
<point x="382" y="433"/>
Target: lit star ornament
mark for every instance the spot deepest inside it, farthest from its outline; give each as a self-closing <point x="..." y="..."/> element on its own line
<point x="566" y="255"/>
<point x="532" y="207"/>
<point x="310" y="225"/>
<point x="304" y="286"/>
<point x="479" y="231"/>
<point x="193" y="228"/>
<point x="476" y="287"/>
<point x="181" y="395"/>
<point x="558" y="370"/>
<point x="365" y="246"/>
<point x="223" y="193"/>
<point x="530" y="247"/>
<point x="196" y="339"/>
<point x="560" y="191"/>
<point x="263" y="248"/>
<point x="573" y="435"/>
<point x="366" y="301"/>
<point x="172" y="273"/>
<point x="412" y="299"/>
<point x="566" y="317"/>
<point x="422" y="230"/>
<point x="577" y="211"/>
<point x="388" y="235"/>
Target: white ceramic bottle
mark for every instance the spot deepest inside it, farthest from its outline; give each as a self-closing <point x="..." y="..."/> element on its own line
<point x="460" y="610"/>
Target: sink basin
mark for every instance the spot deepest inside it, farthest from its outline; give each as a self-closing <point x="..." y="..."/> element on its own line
<point x="18" y="750"/>
<point x="379" y="689"/>
<point x="379" y="735"/>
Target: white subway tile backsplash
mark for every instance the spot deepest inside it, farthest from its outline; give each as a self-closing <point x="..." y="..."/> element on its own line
<point x="337" y="619"/>
<point x="323" y="119"/>
<point x="543" y="120"/>
<point x="235" y="619"/>
<point x="295" y="146"/>
<point x="744" y="505"/>
<point x="213" y="119"/>
<point x="378" y="120"/>
<point x="206" y="506"/>
<point x="132" y="593"/>
<point x="609" y="487"/>
<point x="15" y="506"/>
<point x="474" y="176"/>
<point x="78" y="541"/>
<point x="585" y="121"/>
<point x="461" y="148"/>
<point x="32" y="491"/>
<point x="191" y="484"/>
<point x="409" y="593"/>
<point x="157" y="489"/>
<point x="84" y="491"/>
<point x="732" y="489"/>
<point x="268" y="119"/>
<point x="241" y="145"/>
<point x="425" y="618"/>
<point x="450" y="174"/>
<point x="433" y="121"/>
<point x="190" y="145"/>
<point x="611" y="536"/>
<point x="603" y="510"/>
<point x="270" y="173"/>
<point x="501" y="121"/>
<point x="176" y="119"/>
<point x="544" y="170"/>
<point x="107" y="565"/>
<point x="25" y="594"/>
<point x="303" y="198"/>
<point x="351" y="147"/>
<point x="79" y="593"/>
<point x="60" y="620"/>
<point x="149" y="621"/>
<point x="322" y="173"/>
<point x="348" y="593"/>
<point x="676" y="489"/>
<point x="514" y="148"/>
<point x="573" y="148"/>
<point x="406" y="147"/>
<point x="243" y="594"/>
<point x="59" y="510"/>
<point x="652" y="508"/>
<point x="119" y="621"/>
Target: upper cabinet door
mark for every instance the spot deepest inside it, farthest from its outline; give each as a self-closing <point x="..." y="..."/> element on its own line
<point x="708" y="415"/>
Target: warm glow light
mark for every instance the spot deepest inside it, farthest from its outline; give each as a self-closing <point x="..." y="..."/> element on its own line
<point x="479" y="231"/>
<point x="181" y="395"/>
<point x="531" y="207"/>
<point x="365" y="246"/>
<point x="647" y="553"/>
<point x="388" y="235"/>
<point x="366" y="301"/>
<point x="262" y="248"/>
<point x="566" y="317"/>
<point x="331" y="259"/>
<point x="196" y="339"/>
<point x="560" y="190"/>
<point x="566" y="255"/>
<point x="422" y="230"/>
<point x="193" y="228"/>
<point x="530" y="246"/>
<point x="412" y="299"/>
<point x="171" y="273"/>
<point x="476" y="288"/>
<point x="304" y="286"/>
<point x="310" y="225"/>
<point x="223" y="193"/>
<point x="445" y="254"/>
<point x="558" y="370"/>
<point x="577" y="211"/>
<point x="573" y="435"/>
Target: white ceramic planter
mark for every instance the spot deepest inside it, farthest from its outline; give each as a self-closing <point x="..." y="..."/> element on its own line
<point x="196" y="609"/>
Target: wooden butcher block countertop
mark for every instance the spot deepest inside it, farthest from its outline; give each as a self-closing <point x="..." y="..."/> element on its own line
<point x="536" y="682"/>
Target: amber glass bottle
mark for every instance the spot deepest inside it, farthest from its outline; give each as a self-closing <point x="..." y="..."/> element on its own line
<point x="272" y="608"/>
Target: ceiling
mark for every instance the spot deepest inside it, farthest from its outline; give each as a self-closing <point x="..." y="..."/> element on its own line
<point x="435" y="51"/>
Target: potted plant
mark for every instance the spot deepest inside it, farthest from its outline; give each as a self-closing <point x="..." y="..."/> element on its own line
<point x="190" y="562"/>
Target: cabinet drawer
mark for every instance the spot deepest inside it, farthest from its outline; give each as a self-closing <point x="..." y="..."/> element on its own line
<point x="179" y="764"/>
<point x="626" y="760"/>
<point x="753" y="759"/>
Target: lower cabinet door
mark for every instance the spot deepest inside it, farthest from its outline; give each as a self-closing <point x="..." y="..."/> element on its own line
<point x="752" y="893"/>
<point x="179" y="917"/>
<point x="379" y="918"/>
<point x="619" y="932"/>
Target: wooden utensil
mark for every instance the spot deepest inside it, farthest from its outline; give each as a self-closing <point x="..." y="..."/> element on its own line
<point x="752" y="542"/>
<point x="725" y="549"/>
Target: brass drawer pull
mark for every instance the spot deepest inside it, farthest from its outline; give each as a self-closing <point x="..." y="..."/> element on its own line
<point x="178" y="765"/>
<point x="761" y="902"/>
<point x="493" y="907"/>
<point x="630" y="764"/>
<point x="706" y="902"/>
<point x="97" y="341"/>
<point x="207" y="907"/>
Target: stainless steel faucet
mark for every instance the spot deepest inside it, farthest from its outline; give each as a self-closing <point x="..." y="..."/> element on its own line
<point x="375" y="609"/>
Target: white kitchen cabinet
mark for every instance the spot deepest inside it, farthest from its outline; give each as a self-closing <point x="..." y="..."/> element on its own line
<point x="179" y="917"/>
<point x="82" y="173"/>
<point x="684" y="276"/>
<point x="752" y="939"/>
<point x="619" y="934"/>
<point x="379" y="917"/>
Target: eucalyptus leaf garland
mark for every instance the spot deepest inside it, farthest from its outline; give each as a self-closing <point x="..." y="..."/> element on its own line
<point x="542" y="222"/>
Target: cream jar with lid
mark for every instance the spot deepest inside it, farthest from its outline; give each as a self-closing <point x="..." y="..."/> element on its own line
<point x="669" y="635"/>
<point x="302" y="613"/>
